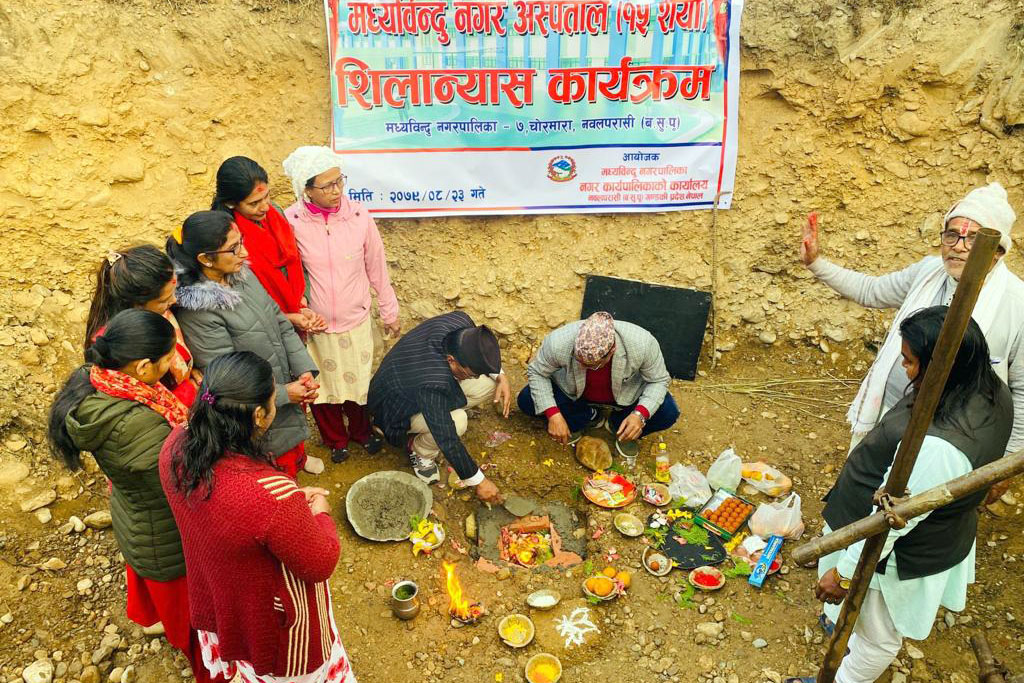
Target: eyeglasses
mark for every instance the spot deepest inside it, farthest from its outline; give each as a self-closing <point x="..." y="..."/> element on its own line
<point x="949" y="238"/>
<point x="233" y="250"/>
<point x="334" y="185"/>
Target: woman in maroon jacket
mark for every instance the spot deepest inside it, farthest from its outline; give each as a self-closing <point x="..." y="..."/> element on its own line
<point x="259" y="549"/>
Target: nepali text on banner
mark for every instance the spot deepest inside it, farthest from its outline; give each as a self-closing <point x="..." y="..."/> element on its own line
<point x="449" y="107"/>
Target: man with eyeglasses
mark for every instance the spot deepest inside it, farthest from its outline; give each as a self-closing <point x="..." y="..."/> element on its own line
<point x="588" y="364"/>
<point x="930" y="282"/>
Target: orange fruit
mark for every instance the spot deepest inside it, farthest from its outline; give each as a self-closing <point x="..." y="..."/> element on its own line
<point x="609" y="572"/>
<point x="603" y="586"/>
<point x="625" y="577"/>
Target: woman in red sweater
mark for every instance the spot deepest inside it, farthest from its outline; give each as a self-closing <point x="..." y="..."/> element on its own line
<point x="258" y="548"/>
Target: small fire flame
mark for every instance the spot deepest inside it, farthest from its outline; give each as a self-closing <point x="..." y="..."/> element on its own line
<point x="458" y="606"/>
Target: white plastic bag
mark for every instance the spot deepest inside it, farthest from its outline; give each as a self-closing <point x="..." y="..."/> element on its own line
<point x="689" y="484"/>
<point x="782" y="518"/>
<point x="724" y="472"/>
<point x="766" y="479"/>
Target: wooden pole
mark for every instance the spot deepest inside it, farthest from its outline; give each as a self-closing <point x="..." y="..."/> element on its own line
<point x="989" y="668"/>
<point x="979" y="262"/>
<point x="714" y="282"/>
<point x="981" y="478"/>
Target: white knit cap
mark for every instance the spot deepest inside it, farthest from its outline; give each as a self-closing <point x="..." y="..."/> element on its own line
<point x="309" y="162"/>
<point x="988" y="207"/>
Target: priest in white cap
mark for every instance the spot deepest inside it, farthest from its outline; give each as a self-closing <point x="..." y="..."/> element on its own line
<point x="929" y="282"/>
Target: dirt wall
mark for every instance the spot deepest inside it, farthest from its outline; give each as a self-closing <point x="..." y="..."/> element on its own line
<point x="116" y="115"/>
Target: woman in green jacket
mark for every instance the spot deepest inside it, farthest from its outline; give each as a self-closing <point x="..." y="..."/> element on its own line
<point x="115" y="407"/>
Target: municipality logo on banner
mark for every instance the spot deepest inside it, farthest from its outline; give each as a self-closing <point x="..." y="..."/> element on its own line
<point x="448" y="107"/>
<point x="561" y="169"/>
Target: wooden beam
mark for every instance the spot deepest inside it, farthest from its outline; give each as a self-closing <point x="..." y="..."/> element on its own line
<point x="981" y="478"/>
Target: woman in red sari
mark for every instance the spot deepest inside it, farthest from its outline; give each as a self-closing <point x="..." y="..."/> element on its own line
<point x="243" y="190"/>
<point x="143" y="277"/>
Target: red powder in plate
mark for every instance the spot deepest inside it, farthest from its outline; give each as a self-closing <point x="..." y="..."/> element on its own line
<point x="706" y="580"/>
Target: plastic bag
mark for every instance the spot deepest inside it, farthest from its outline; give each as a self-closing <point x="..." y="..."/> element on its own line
<point x="766" y="479"/>
<point x="724" y="472"/>
<point x="782" y="518"/>
<point x="689" y="484"/>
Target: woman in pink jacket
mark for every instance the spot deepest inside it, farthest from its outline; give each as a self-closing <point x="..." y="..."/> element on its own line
<point x="343" y="257"/>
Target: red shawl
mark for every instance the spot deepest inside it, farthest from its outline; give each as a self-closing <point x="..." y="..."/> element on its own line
<point x="158" y="397"/>
<point x="274" y="258"/>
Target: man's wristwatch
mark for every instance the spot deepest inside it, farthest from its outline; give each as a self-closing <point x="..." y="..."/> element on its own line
<point x="843" y="583"/>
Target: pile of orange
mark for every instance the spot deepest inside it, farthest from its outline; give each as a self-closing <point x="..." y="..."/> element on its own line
<point x="603" y="584"/>
<point x="729" y="515"/>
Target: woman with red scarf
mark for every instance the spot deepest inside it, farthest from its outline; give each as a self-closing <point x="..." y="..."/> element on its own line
<point x="116" y="408"/>
<point x="243" y="190"/>
<point x="142" y="277"/>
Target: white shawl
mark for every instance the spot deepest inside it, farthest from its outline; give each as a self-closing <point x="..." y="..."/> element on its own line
<point x="866" y="409"/>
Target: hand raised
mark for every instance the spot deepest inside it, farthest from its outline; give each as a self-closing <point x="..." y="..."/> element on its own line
<point x="809" y="243"/>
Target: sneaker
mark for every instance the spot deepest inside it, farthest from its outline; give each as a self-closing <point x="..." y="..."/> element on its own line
<point x="339" y="455"/>
<point x="373" y="444"/>
<point x="597" y="420"/>
<point x="424" y="468"/>
<point x="313" y="465"/>
<point x="627" y="449"/>
<point x="574" y="437"/>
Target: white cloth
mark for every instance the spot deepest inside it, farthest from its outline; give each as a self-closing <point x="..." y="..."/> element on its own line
<point x="308" y="162"/>
<point x="999" y="312"/>
<point x="335" y="670"/>
<point x="874" y="644"/>
<point x="987" y="206"/>
<point x="897" y="383"/>
<point x="913" y="603"/>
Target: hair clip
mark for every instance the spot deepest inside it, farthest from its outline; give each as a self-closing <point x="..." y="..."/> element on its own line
<point x="208" y="396"/>
<point x="176" y="233"/>
<point x="113" y="257"/>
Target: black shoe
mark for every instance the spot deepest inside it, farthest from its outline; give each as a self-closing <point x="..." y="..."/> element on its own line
<point x="339" y="455"/>
<point x="373" y="444"/>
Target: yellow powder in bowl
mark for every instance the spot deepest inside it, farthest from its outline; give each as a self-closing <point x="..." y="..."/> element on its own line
<point x="545" y="672"/>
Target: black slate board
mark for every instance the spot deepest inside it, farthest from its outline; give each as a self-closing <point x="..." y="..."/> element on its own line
<point x="688" y="556"/>
<point x="677" y="317"/>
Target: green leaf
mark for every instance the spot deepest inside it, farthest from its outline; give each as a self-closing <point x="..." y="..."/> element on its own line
<point x="588" y="568"/>
<point x="684" y="599"/>
<point x="657" y="535"/>
<point x="695" y="535"/>
<point x="414" y="522"/>
<point x="739" y="568"/>
<point x="740" y="618"/>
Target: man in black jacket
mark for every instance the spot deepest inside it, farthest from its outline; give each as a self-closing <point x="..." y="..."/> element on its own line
<point x="423" y="387"/>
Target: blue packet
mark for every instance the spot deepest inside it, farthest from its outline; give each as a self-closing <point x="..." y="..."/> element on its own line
<point x="760" y="570"/>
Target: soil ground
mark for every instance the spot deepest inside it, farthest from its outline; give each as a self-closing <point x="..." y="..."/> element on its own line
<point x="114" y="115"/>
<point x="645" y="632"/>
